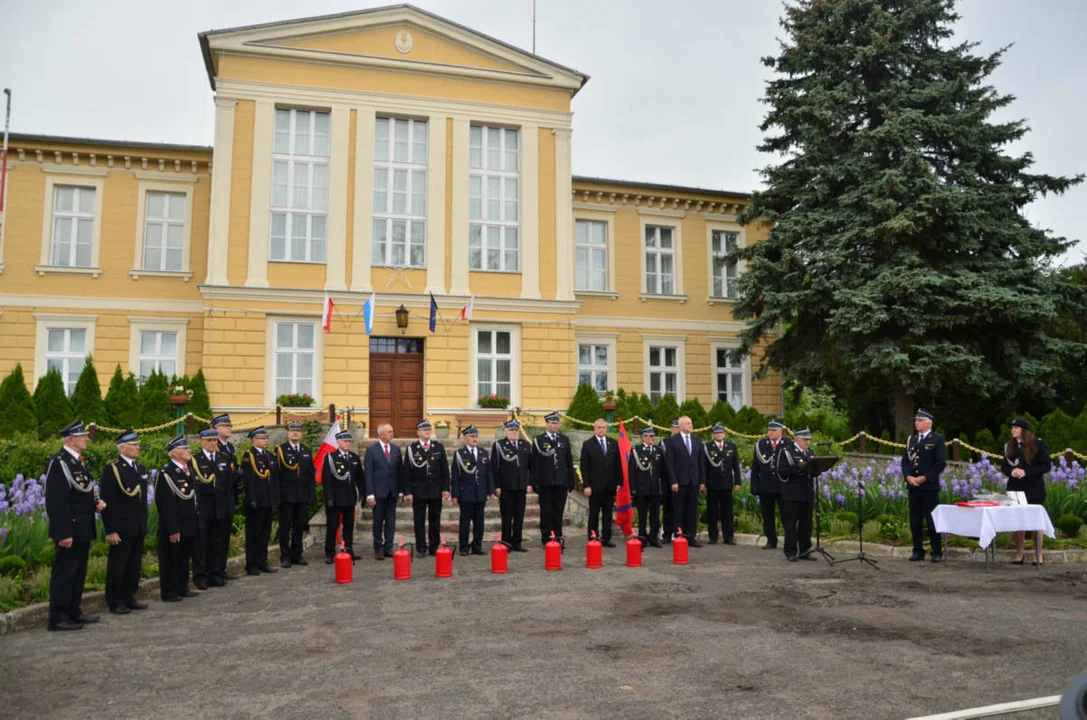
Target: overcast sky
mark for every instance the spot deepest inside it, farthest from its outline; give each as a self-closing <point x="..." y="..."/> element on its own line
<point x="674" y="95"/>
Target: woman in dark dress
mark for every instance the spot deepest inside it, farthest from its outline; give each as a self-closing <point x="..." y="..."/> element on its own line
<point x="1026" y="461"/>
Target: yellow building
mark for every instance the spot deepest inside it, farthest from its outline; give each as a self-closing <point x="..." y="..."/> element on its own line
<point x="385" y="152"/>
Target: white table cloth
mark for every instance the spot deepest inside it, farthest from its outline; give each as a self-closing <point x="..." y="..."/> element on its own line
<point x="985" y="522"/>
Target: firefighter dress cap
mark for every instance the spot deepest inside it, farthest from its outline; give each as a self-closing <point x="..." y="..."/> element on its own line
<point x="177" y="442"/>
<point x="208" y="433"/>
<point x="717" y="427"/>
<point x="513" y="425"/>
<point x="470" y="430"/>
<point x="774" y="425"/>
<point x="424" y="425"/>
<point x="922" y="415"/>
<point x="294" y="425"/>
<point x="804" y="434"/>
<point x="551" y="417"/>
<point x="343" y="435"/>
<point x="223" y="419"/>
<point x="74" y="429"/>
<point x="648" y="431"/>
<point x="675" y="423"/>
<point x="128" y="436"/>
<point x="258" y="432"/>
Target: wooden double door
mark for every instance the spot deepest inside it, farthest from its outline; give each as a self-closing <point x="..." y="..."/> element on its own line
<point x="396" y="384"/>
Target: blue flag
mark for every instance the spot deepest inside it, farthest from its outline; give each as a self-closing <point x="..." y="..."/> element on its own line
<point x="368" y="313"/>
<point x="433" y="313"/>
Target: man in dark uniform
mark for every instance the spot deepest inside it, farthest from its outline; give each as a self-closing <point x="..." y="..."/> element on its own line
<point x="666" y="496"/>
<point x="426" y="477"/>
<point x="722" y="477"/>
<point x="261" y="484"/>
<point x="510" y="459"/>
<point x="764" y="483"/>
<point x="123" y="488"/>
<point x="646" y="468"/>
<point x="552" y="474"/>
<point x="472" y="485"/>
<point x="215" y="503"/>
<point x="602" y="474"/>
<point x="223" y="426"/>
<point x="925" y="459"/>
<point x="797" y="495"/>
<point x="344" y="486"/>
<point x="297" y="489"/>
<point x="179" y="521"/>
<point x="686" y="461"/>
<point x="70" y="505"/>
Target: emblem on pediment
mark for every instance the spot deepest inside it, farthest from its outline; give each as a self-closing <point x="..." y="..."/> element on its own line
<point x="404" y="41"/>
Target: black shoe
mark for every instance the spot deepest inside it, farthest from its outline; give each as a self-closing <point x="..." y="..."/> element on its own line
<point x="328" y="560"/>
<point x="791" y="558"/>
<point x="694" y="544"/>
<point x="519" y="548"/>
<point x="667" y="541"/>
<point x="301" y="561"/>
<point x="713" y="541"/>
<point x="770" y="546"/>
<point x="478" y="551"/>
<point x="88" y="619"/>
<point x="608" y="543"/>
<point x="266" y="569"/>
<point x="728" y="542"/>
<point x="809" y="556"/>
<point x="190" y="593"/>
<point x="171" y="598"/>
<point x="64" y="625"/>
<point x="917" y="556"/>
<point x="464" y="553"/>
<point x="433" y="552"/>
<point x="655" y="543"/>
<point x="420" y="551"/>
<point x="134" y="605"/>
<point x="254" y="571"/>
<point x="937" y="557"/>
<point x="216" y="582"/>
<point x="120" y="610"/>
<point x="285" y="564"/>
<point x="200" y="585"/>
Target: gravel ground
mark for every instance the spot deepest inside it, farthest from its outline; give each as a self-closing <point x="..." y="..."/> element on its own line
<point x="738" y="633"/>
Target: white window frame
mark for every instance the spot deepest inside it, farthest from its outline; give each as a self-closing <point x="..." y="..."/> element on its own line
<point x="138" y="325"/>
<point x="741" y="241"/>
<point x="608" y="219"/>
<point x="515" y="362"/>
<point x="744" y="369"/>
<point x="47" y="321"/>
<point x="676" y="226"/>
<point x="181" y="188"/>
<point x="270" y="355"/>
<point x="82" y="180"/>
<point x="290" y="212"/>
<point x="386" y="216"/>
<point x="609" y="340"/>
<point x="483" y="223"/>
<point x="679" y="342"/>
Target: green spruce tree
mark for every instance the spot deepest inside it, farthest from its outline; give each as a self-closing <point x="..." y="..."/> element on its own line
<point x="899" y="255"/>
<point x="87" y="397"/>
<point x="123" y="401"/>
<point x="666" y="411"/>
<point x="722" y="412"/>
<point x="155" y="401"/>
<point x="200" y="402"/>
<point x="585" y="405"/>
<point x="17" y="413"/>
<point x="52" y="403"/>
<point x="693" y="409"/>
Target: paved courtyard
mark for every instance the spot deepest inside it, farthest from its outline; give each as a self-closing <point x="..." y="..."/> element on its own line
<point x="739" y="633"/>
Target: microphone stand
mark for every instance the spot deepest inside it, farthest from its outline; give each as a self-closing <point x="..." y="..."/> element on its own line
<point x="819" y="531"/>
<point x="860" y="556"/>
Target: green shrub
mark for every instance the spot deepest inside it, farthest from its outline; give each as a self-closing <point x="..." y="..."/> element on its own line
<point x="123" y="403"/>
<point x="99" y="549"/>
<point x="96" y="574"/>
<point x="839" y="528"/>
<point x="1079" y="431"/>
<point x="54" y="408"/>
<point x="12" y="566"/>
<point x="17" y="413"/>
<point x="751" y="421"/>
<point x="985" y="440"/>
<point x="849" y="518"/>
<point x="724" y="413"/>
<point x="693" y="409"/>
<point x="200" y="402"/>
<point x="644" y="408"/>
<point x="585" y="404"/>
<point x="10" y="593"/>
<point x="1057" y="429"/>
<point x="1069" y="524"/>
<point x="47" y="557"/>
<point x="155" y="399"/>
<point x="149" y="568"/>
<point x="30" y="457"/>
<point x="666" y="411"/>
<point x="87" y="397"/>
<point x="39" y="583"/>
<point x="1081" y="536"/>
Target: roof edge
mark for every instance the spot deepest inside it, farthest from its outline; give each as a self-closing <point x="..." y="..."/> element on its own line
<point x="14" y="138"/>
<point x="658" y="186"/>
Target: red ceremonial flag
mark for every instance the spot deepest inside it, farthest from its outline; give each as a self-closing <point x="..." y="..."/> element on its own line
<point x="326" y="315"/>
<point x="624" y="511"/>
<point x="327" y="446"/>
<point x="466" y="311"/>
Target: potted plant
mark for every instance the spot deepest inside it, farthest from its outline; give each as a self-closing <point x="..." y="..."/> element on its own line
<point x="607" y="400"/>
<point x="294" y="400"/>
<point x="494" y="401"/>
<point x="179" y="395"/>
<point x="441" y="429"/>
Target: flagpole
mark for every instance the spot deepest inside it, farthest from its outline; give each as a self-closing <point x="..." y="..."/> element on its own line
<point x="4" y="155"/>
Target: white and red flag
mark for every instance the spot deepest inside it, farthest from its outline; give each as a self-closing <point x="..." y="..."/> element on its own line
<point x="327" y="445"/>
<point x="466" y="311"/>
<point x="326" y="314"/>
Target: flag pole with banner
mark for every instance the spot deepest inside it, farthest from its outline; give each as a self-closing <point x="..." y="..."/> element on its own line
<point x="4" y="159"/>
<point x="624" y="510"/>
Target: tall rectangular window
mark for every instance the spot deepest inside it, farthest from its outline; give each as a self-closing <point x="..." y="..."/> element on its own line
<point x="164" y="231"/>
<point x="659" y="260"/>
<point x="493" y="199"/>
<point x="295" y="353"/>
<point x="494" y="363"/>
<point x="591" y="244"/>
<point x="729" y="382"/>
<point x="592" y="366"/>
<point x="158" y="351"/>
<point x="66" y="351"/>
<point x="73" y="226"/>
<point x="726" y="275"/>
<point x="299" y="186"/>
<point x="663" y="371"/>
<point x="400" y="166"/>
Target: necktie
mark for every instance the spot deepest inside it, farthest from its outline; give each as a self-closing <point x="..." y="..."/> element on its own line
<point x="386" y="450"/>
<point x="687" y="440"/>
<point x="604" y="446"/>
<point x="426" y="448"/>
<point x="474" y="457"/>
<point x="552" y="437"/>
<point x="720" y="446"/>
<point x="773" y="446"/>
<point x="80" y="458"/>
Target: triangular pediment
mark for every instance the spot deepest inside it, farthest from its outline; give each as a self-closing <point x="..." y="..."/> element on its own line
<point x="400" y="37"/>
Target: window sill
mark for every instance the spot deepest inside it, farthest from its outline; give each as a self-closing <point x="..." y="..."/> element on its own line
<point x="495" y="272"/>
<point x="610" y="294"/>
<point x="725" y="300"/>
<point x="298" y="262"/>
<point x="92" y="271"/>
<point x="667" y="298"/>
<point x="185" y="275"/>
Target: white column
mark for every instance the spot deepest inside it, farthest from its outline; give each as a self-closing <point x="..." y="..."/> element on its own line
<point x="260" y="198"/>
<point x="530" y="212"/>
<point x="564" y="217"/>
<point x="435" y="205"/>
<point x="336" y="241"/>
<point x="364" y="200"/>
<point x="459" y="284"/>
<point x="219" y="216"/>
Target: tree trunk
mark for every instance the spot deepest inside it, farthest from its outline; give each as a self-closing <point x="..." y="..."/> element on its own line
<point x="904" y="411"/>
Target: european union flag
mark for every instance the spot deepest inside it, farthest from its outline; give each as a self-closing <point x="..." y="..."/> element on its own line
<point x="433" y="313"/>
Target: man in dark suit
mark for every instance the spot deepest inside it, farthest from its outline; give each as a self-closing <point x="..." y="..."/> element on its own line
<point x="381" y="466"/>
<point x="686" y="462"/>
<point x="225" y="430"/>
<point x="70" y="505"/>
<point x="510" y="458"/>
<point x="602" y="473"/>
<point x="472" y="485"/>
<point x="426" y="478"/>
<point x="123" y="487"/>
<point x="551" y="472"/>
<point x="297" y="489"/>
<point x="924" y="460"/>
<point x="722" y="478"/>
<point x="215" y="502"/>
<point x="179" y="522"/>
<point x="764" y="483"/>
